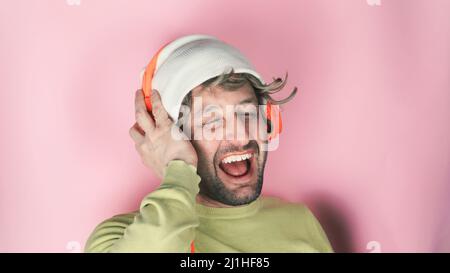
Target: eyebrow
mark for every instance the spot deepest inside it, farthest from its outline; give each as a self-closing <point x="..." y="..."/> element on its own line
<point x="248" y="100"/>
<point x="244" y="101"/>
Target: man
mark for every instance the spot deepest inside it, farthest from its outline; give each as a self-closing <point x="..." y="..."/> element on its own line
<point x="209" y="198"/>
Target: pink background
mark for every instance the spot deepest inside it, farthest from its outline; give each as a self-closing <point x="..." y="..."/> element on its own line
<point x="366" y="142"/>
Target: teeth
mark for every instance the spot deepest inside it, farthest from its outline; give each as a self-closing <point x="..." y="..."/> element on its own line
<point x="234" y="158"/>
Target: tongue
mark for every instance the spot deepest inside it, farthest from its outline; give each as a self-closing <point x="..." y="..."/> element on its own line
<point x="235" y="168"/>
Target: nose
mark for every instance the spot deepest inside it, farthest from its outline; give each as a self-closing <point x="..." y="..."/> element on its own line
<point x="237" y="130"/>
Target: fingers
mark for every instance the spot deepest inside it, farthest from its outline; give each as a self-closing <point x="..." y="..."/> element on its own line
<point x="137" y="134"/>
<point x="144" y="122"/>
<point x="160" y="114"/>
<point x="143" y="118"/>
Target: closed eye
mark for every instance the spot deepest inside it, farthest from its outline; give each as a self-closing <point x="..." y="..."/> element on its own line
<point x="211" y="121"/>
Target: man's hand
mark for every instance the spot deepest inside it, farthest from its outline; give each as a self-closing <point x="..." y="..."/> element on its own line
<point x="153" y="138"/>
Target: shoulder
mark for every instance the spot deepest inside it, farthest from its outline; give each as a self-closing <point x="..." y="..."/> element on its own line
<point x="276" y="203"/>
<point x="299" y="211"/>
<point x="299" y="215"/>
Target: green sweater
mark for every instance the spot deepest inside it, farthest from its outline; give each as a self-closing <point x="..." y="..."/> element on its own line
<point x="169" y="220"/>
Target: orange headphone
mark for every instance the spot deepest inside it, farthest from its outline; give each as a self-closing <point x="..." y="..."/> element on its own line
<point x="274" y="124"/>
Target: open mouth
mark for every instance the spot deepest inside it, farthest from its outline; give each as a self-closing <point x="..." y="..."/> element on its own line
<point x="236" y="165"/>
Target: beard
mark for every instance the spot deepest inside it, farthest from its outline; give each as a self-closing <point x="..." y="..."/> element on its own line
<point x="214" y="188"/>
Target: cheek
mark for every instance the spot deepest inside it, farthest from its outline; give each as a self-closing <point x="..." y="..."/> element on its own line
<point x="262" y="157"/>
<point x="206" y="150"/>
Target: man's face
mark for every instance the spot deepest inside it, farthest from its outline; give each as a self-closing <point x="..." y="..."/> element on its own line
<point x="231" y="167"/>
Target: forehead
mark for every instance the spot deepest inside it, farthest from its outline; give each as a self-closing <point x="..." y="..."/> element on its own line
<point x="220" y="96"/>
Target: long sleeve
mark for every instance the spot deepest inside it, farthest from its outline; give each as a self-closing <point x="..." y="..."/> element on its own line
<point x="165" y="222"/>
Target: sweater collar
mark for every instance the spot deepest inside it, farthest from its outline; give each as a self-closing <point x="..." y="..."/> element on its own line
<point x="228" y="213"/>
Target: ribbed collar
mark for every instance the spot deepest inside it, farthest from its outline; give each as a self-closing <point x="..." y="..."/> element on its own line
<point x="228" y="213"/>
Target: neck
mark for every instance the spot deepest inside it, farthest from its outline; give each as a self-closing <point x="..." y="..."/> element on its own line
<point x="206" y="201"/>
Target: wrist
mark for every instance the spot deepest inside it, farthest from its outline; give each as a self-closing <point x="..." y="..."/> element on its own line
<point x="192" y="162"/>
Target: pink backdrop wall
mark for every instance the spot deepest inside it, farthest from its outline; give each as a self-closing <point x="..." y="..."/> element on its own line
<point x="366" y="142"/>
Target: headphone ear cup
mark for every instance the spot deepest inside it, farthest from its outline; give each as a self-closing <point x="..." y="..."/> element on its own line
<point x="269" y="117"/>
<point x="273" y="116"/>
<point x="146" y="90"/>
<point x="147" y="78"/>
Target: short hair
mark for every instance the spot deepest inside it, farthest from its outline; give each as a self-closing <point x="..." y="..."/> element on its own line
<point x="232" y="81"/>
